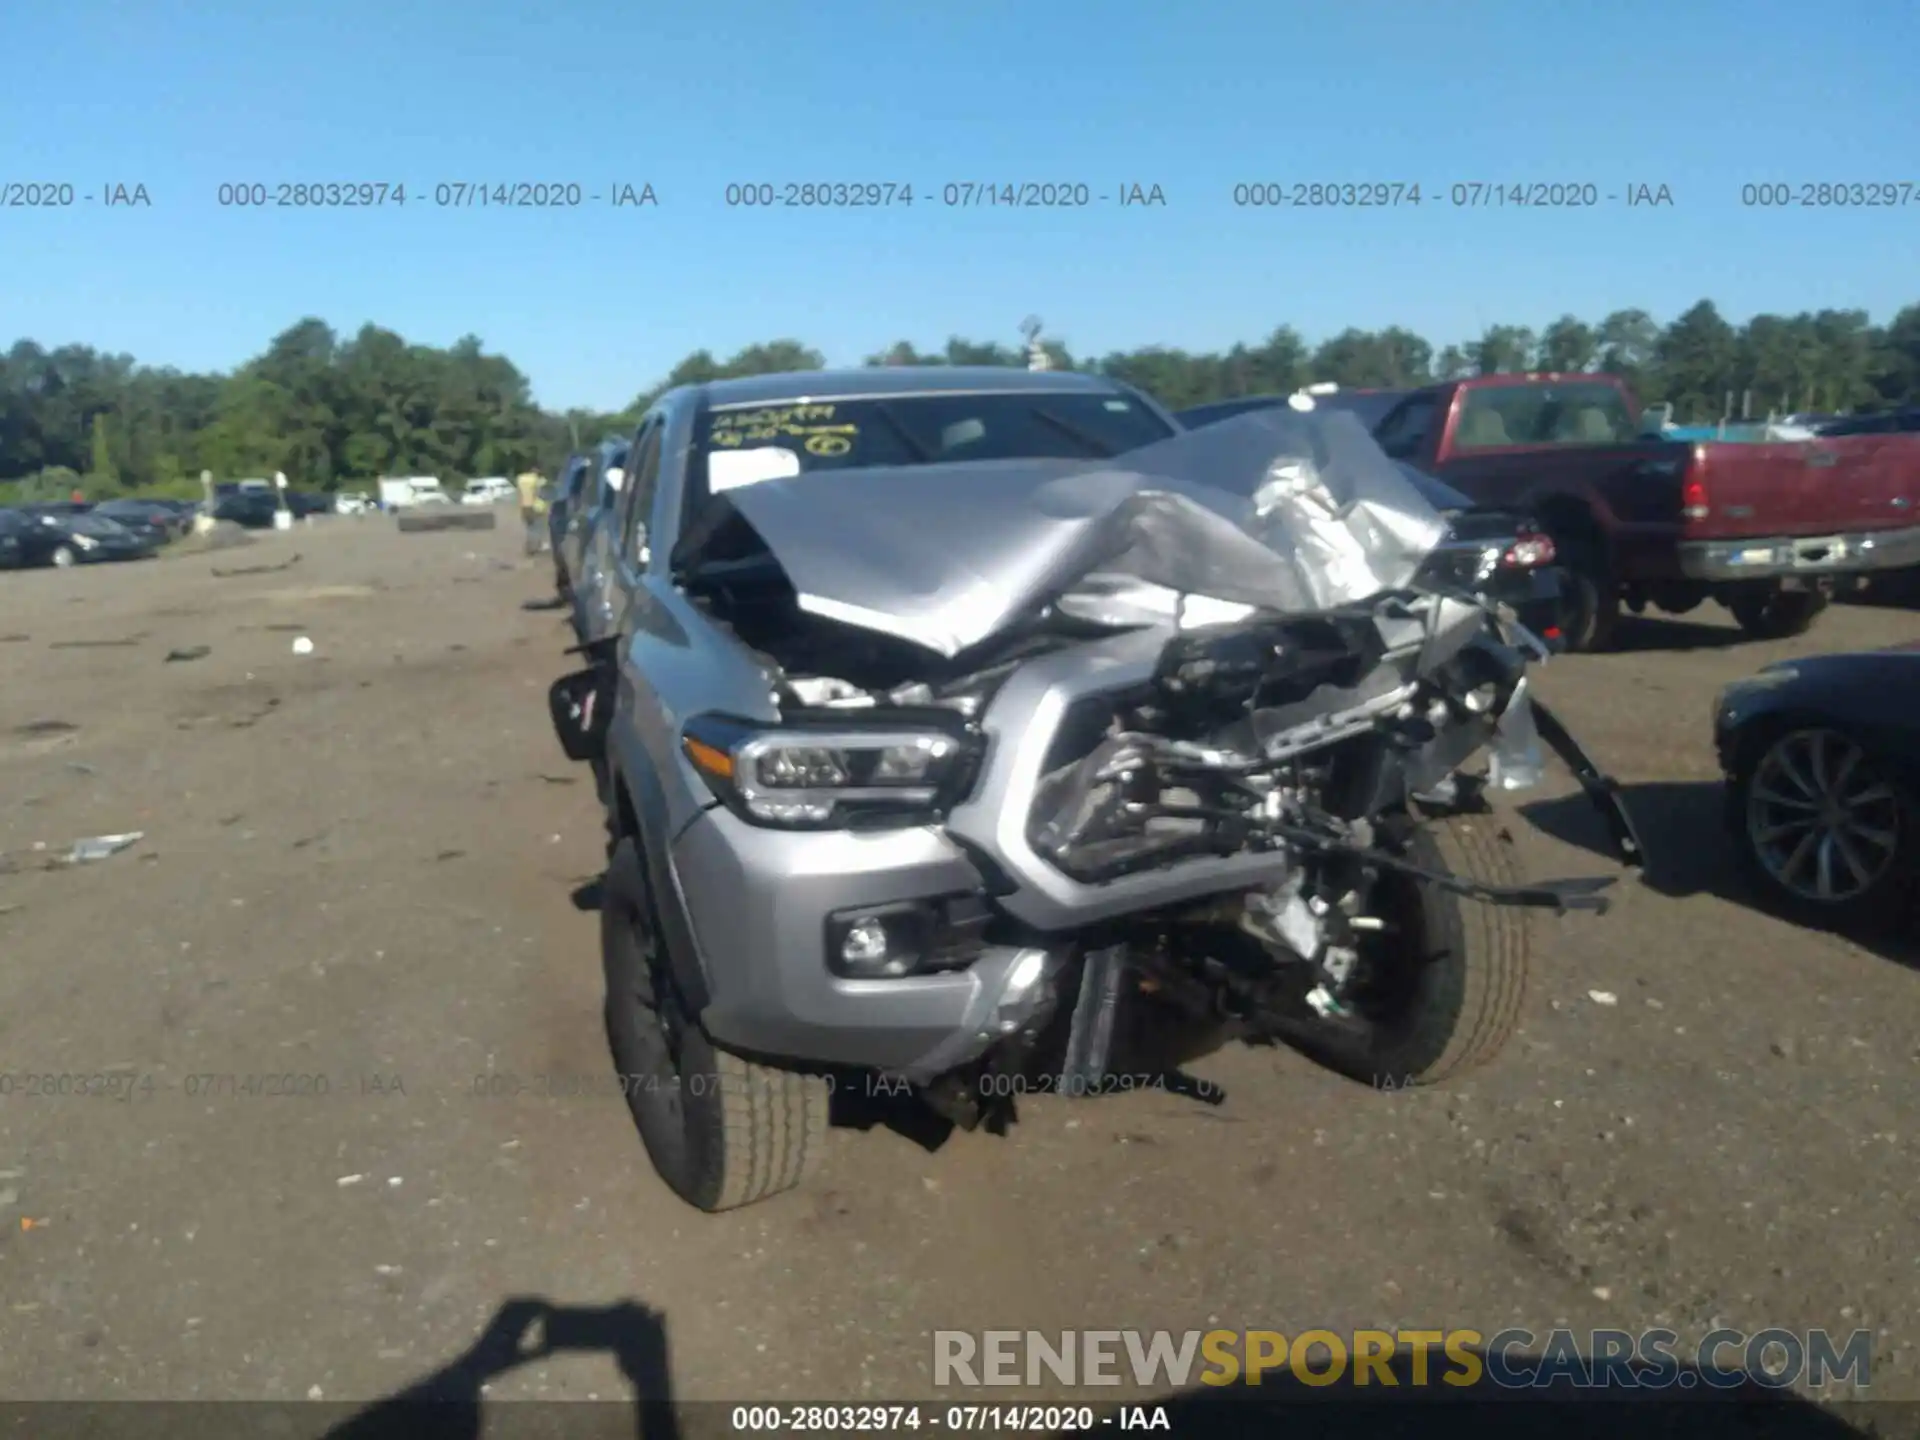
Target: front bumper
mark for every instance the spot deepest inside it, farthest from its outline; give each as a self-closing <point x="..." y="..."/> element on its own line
<point x="758" y="904"/>
<point x="1779" y="557"/>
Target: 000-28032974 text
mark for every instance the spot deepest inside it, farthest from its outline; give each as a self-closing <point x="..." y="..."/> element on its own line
<point x="128" y="1085"/>
<point x="864" y="1419"/>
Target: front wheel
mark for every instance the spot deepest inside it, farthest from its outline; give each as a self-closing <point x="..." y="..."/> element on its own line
<point x="1771" y="613"/>
<point x="64" y="557"/>
<point x="721" y="1130"/>
<point x="1440" y="990"/>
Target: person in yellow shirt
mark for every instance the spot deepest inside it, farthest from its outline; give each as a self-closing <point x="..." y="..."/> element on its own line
<point x="532" y="508"/>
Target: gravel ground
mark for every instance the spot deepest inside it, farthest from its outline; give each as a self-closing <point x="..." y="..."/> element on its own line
<point x="370" y="863"/>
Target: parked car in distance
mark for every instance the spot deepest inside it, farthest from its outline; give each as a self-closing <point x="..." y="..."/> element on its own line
<point x="145" y="518"/>
<point x="1905" y="421"/>
<point x="599" y="494"/>
<point x="491" y="490"/>
<point x="566" y="496"/>
<point x="254" y="509"/>
<point x="1503" y="556"/>
<point x="64" y="535"/>
<point x="1822" y="765"/>
<point x="353" y="502"/>
<point x="396" y="493"/>
<point x="1642" y="520"/>
<point x="25" y="542"/>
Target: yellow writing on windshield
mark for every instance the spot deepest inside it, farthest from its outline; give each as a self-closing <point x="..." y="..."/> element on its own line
<point x="806" y="423"/>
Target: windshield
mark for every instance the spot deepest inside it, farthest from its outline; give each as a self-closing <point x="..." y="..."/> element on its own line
<point x="746" y="443"/>
<point x="92" y="524"/>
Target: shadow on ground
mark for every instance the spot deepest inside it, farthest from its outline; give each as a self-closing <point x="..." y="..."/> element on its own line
<point x="1689" y="851"/>
<point x="1650" y="632"/>
<point x="447" y="1405"/>
<point x="1679" y="1400"/>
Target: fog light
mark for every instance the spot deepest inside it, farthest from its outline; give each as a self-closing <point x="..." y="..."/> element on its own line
<point x="866" y="944"/>
<point x="871" y="948"/>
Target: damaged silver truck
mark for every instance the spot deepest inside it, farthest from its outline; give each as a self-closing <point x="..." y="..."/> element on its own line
<point x="982" y="730"/>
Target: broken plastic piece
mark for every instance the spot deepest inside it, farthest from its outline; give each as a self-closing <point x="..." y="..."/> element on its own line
<point x="1515" y="759"/>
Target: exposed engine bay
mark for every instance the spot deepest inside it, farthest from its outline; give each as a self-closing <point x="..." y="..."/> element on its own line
<point x="1214" y="713"/>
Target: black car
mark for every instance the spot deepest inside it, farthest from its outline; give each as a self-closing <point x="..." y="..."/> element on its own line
<point x="1494" y="553"/>
<point x="1822" y="763"/>
<point x="25" y="542"/>
<point x="309" y="502"/>
<point x="147" y="518"/>
<point x="254" y="509"/>
<point x="1884" y="422"/>
<point x="62" y="535"/>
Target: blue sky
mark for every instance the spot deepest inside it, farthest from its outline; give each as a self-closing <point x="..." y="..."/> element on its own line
<point x="596" y="303"/>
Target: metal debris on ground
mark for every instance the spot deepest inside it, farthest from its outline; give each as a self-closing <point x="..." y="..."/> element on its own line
<point x="99" y="847"/>
<point x="81" y="852"/>
<point x="286" y="564"/>
<point x="1603" y="997"/>
<point x="191" y="652"/>
<point x="303" y="646"/>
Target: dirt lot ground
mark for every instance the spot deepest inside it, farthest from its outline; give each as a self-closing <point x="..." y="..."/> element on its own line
<point x="371" y="863"/>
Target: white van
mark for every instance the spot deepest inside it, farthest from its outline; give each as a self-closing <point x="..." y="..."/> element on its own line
<point x="491" y="491"/>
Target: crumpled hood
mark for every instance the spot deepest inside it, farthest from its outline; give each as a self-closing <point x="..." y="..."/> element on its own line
<point x="1282" y="510"/>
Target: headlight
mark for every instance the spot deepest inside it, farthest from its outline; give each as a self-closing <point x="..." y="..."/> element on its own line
<point x="815" y="777"/>
<point x="85" y="542"/>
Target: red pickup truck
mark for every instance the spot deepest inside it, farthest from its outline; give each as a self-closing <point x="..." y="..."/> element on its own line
<point x="1765" y="529"/>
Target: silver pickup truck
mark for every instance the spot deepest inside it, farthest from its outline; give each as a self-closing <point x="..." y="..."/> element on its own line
<point x="962" y="727"/>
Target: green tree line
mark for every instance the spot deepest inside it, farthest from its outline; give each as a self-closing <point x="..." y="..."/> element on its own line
<point x="330" y="411"/>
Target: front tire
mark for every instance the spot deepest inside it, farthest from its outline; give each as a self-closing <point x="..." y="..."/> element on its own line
<point x="64" y="557"/>
<point x="721" y="1130"/>
<point x="1445" y="984"/>
<point x="1776" y="614"/>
